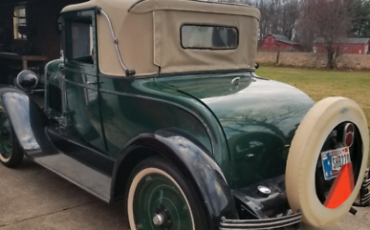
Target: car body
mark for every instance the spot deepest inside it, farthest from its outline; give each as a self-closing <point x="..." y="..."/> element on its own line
<point x="184" y="107"/>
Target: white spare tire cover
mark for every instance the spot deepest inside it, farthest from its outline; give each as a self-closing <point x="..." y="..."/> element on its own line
<point x="304" y="154"/>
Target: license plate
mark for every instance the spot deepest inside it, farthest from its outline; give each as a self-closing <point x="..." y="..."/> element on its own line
<point x="333" y="160"/>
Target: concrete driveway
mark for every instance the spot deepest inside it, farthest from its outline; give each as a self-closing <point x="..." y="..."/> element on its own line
<point x="34" y="198"/>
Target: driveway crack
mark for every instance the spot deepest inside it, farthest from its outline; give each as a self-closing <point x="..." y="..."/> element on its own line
<point x="47" y="214"/>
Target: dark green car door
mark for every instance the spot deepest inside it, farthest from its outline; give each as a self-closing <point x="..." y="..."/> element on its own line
<point x="82" y="81"/>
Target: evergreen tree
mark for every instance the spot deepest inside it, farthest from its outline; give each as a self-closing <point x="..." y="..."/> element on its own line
<point x="361" y="22"/>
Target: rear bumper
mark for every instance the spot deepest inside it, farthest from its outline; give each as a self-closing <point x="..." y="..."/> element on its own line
<point x="364" y="191"/>
<point x="292" y="221"/>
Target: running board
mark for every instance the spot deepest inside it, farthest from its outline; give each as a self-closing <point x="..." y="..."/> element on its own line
<point x="79" y="174"/>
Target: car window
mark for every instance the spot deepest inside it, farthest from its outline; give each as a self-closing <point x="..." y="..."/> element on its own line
<point x="209" y="37"/>
<point x="81" y="41"/>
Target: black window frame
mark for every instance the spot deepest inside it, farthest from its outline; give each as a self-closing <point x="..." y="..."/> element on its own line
<point x="68" y="40"/>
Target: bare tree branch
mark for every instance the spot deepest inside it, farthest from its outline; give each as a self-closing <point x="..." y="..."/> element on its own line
<point x="327" y="20"/>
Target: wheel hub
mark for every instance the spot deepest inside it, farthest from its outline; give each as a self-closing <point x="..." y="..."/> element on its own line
<point x="162" y="217"/>
<point x="4" y="133"/>
<point x="158" y="220"/>
<point x="158" y="203"/>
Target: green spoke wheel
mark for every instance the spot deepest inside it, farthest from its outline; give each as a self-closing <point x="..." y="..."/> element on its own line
<point x="11" y="154"/>
<point x="159" y="198"/>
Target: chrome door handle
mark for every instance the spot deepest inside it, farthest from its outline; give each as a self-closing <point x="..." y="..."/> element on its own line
<point x="93" y="82"/>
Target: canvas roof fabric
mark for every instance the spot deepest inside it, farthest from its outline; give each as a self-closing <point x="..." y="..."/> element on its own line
<point x="148" y="33"/>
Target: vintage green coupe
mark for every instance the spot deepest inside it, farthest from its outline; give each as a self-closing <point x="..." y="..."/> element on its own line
<point x="157" y="102"/>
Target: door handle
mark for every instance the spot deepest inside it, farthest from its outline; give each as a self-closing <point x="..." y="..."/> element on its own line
<point x="93" y="82"/>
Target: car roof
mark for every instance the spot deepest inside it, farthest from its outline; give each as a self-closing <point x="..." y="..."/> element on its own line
<point x="152" y="5"/>
<point x="149" y="35"/>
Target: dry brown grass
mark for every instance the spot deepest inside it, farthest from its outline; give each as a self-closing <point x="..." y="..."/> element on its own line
<point x="314" y="61"/>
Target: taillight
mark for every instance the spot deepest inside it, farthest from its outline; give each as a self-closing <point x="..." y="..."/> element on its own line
<point x="349" y="134"/>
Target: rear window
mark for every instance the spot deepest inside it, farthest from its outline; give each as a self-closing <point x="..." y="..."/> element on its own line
<point x="209" y="37"/>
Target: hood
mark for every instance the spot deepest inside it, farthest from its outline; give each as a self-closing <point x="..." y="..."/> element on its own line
<point x="259" y="118"/>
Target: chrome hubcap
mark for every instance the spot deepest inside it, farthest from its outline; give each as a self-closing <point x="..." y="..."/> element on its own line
<point x="158" y="219"/>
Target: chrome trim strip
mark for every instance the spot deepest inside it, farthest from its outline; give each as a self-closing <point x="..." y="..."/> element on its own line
<point x="366" y="183"/>
<point x="87" y="86"/>
<point x="115" y="39"/>
<point x="365" y="198"/>
<point x="273" y="223"/>
<point x="364" y="192"/>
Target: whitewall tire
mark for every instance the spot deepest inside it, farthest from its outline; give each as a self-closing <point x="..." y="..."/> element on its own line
<point x="160" y="197"/>
<point x="304" y="154"/>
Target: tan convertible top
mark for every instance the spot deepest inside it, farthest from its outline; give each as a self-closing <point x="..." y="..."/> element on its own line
<point x="149" y="40"/>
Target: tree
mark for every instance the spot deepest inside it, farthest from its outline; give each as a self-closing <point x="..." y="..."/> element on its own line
<point x="288" y="15"/>
<point x="326" y="20"/>
<point x="278" y="17"/>
<point x="361" y="22"/>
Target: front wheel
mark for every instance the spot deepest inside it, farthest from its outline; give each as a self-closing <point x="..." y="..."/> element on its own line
<point x="160" y="198"/>
<point x="11" y="154"/>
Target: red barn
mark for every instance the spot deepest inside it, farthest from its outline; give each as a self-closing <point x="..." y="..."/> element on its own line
<point x="274" y="42"/>
<point x="349" y="45"/>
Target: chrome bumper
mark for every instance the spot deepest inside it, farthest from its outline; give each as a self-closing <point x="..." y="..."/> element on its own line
<point x="291" y="221"/>
<point x="364" y="191"/>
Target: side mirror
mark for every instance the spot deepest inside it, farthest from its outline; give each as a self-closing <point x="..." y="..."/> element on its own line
<point x="257" y="66"/>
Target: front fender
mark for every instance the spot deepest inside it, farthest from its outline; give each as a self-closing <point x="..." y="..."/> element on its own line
<point x="193" y="160"/>
<point x="27" y="119"/>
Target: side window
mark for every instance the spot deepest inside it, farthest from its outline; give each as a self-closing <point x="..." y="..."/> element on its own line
<point x="209" y="37"/>
<point x="80" y="40"/>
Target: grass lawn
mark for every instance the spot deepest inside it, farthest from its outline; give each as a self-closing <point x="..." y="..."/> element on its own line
<point x="319" y="84"/>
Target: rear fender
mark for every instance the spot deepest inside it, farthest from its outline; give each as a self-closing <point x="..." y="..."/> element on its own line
<point x="192" y="160"/>
<point x="27" y="119"/>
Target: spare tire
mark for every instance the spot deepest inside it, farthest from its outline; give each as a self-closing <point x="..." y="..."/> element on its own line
<point x="323" y="131"/>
